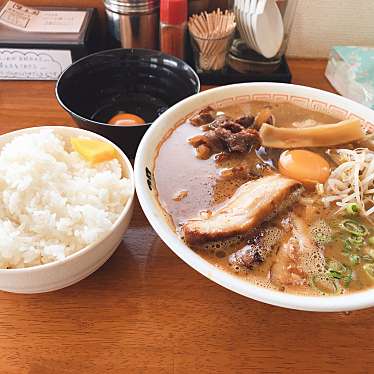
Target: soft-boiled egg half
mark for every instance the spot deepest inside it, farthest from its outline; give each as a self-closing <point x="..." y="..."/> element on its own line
<point x="126" y="119"/>
<point x="305" y="166"/>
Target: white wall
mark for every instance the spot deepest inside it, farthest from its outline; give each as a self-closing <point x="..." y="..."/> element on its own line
<point x="320" y="24"/>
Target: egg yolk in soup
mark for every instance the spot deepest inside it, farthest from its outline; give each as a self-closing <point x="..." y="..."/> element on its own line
<point x="305" y="166"/>
<point x="126" y="119"/>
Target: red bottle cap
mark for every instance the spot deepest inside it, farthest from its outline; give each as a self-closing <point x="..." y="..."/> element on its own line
<point x="173" y="12"/>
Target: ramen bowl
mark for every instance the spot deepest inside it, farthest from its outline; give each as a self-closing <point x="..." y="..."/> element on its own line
<point x="306" y="97"/>
<point x="140" y="82"/>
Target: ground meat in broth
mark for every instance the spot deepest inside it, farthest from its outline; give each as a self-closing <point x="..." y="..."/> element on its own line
<point x="225" y="134"/>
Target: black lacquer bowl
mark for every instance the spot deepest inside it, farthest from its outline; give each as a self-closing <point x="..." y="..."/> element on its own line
<point x="137" y="81"/>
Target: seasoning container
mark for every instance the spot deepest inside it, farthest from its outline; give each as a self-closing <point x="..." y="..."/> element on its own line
<point x="173" y="27"/>
<point x="211" y="36"/>
<point x="134" y="23"/>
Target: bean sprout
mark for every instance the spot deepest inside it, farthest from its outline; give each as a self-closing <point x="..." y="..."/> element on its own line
<point x="352" y="181"/>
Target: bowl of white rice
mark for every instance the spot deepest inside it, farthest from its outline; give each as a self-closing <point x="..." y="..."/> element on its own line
<point x="61" y="217"/>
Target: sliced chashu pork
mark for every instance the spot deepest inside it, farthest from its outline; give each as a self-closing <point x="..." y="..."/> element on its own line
<point x="259" y="246"/>
<point x="298" y="258"/>
<point x="253" y="203"/>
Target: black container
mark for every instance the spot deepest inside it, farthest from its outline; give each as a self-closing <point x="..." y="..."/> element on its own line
<point x="138" y="81"/>
<point x="280" y="73"/>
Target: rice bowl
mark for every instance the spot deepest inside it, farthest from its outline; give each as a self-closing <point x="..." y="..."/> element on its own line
<point x="72" y="224"/>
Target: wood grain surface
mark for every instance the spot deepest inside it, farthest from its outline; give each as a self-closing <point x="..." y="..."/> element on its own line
<point x="146" y="311"/>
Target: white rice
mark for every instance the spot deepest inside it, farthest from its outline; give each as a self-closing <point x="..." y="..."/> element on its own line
<point x="52" y="202"/>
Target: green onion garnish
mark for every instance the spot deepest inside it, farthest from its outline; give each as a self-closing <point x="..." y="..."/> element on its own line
<point x="352" y="209"/>
<point x="367" y="258"/>
<point x="354" y="227"/>
<point x="324" y="284"/>
<point x="356" y="240"/>
<point x="347" y="246"/>
<point x="333" y="265"/>
<point x="355" y="259"/>
<point x="339" y="272"/>
<point x="336" y="274"/>
<point x="347" y="281"/>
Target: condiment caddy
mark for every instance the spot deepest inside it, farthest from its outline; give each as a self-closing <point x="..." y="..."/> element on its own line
<point x="215" y="43"/>
<point x="225" y="49"/>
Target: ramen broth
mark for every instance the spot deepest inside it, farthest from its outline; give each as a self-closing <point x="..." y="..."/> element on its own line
<point x="190" y="187"/>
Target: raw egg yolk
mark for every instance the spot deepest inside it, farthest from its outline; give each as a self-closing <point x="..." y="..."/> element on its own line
<point x="126" y="119"/>
<point x="307" y="167"/>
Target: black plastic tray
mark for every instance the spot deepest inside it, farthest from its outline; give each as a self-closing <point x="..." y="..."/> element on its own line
<point x="282" y="74"/>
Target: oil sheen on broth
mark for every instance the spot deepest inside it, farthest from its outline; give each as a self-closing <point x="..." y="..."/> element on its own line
<point x="190" y="187"/>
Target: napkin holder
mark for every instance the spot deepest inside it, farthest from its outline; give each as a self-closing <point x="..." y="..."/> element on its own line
<point x="44" y="56"/>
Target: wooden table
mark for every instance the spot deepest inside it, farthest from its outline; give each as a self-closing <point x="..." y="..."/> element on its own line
<point x="146" y="311"/>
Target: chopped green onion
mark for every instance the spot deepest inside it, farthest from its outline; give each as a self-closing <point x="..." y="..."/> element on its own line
<point x="356" y="240"/>
<point x="347" y="281"/>
<point x="333" y="265"/>
<point x="352" y="209"/>
<point x="355" y="259"/>
<point x="367" y="258"/>
<point x="347" y="246"/>
<point x="339" y="271"/>
<point x="371" y="240"/>
<point x="324" y="284"/>
<point x="354" y="227"/>
<point x="336" y="274"/>
<point x="369" y="268"/>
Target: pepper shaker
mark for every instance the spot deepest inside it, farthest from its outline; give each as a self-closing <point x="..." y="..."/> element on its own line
<point x="134" y="23"/>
